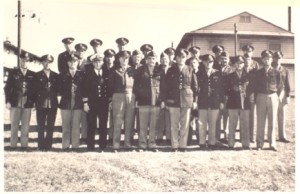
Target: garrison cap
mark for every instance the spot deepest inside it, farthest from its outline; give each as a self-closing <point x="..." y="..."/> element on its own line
<point x="26" y="56"/>
<point x="247" y="47"/>
<point x="109" y="53"/>
<point x="96" y="42"/>
<point x="125" y="54"/>
<point x="80" y="47"/>
<point x="136" y="52"/>
<point x="224" y="54"/>
<point x="48" y="58"/>
<point x="218" y="48"/>
<point x="239" y="58"/>
<point x="122" y="41"/>
<point x="97" y="57"/>
<point x="170" y="51"/>
<point x="72" y="57"/>
<point x="151" y="54"/>
<point x="194" y="49"/>
<point x="278" y="55"/>
<point x="182" y="52"/>
<point x="266" y="53"/>
<point x="146" y="47"/>
<point x="208" y="57"/>
<point x="68" y="40"/>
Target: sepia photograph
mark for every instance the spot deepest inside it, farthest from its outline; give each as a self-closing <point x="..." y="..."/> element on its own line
<point x="148" y="96"/>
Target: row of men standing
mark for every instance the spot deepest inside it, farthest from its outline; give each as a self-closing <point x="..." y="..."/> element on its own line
<point x="156" y="89"/>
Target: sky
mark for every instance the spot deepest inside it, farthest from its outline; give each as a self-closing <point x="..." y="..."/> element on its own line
<point x="159" y="23"/>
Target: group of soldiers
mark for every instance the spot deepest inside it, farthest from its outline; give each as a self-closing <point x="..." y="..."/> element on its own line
<point x="160" y="96"/>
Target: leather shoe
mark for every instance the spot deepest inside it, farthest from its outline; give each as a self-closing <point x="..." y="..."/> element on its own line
<point x="284" y="140"/>
<point x="273" y="148"/>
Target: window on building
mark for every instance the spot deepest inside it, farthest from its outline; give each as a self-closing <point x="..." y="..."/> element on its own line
<point x="275" y="46"/>
<point x="245" y="19"/>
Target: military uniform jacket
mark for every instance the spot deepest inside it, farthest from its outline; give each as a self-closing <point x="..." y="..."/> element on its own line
<point x="284" y="84"/>
<point x="46" y="89"/>
<point x="179" y="89"/>
<point x="210" y="90"/>
<point x="267" y="82"/>
<point x="20" y="87"/>
<point x="66" y="81"/>
<point x="146" y="86"/>
<point x="233" y="82"/>
<point x="62" y="61"/>
<point x="95" y="86"/>
<point x="121" y="80"/>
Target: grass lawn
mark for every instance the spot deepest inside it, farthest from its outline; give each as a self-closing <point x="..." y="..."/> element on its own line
<point x="195" y="170"/>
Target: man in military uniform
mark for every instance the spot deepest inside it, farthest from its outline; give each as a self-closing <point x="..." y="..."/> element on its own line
<point x="251" y="66"/>
<point x="71" y="105"/>
<point x="19" y="98"/>
<point x="267" y="82"/>
<point x="122" y="44"/>
<point x="178" y="94"/>
<point x="146" y="90"/>
<point x="238" y="103"/>
<point x="226" y="69"/>
<point x="284" y="95"/>
<point x="163" y="123"/>
<point x="171" y="53"/>
<point x="46" y="92"/>
<point x="95" y="99"/>
<point x="82" y="66"/>
<point x="121" y="81"/>
<point x="145" y="48"/>
<point x="109" y="58"/>
<point x="62" y="57"/>
<point x="210" y="100"/>
<point x="96" y="44"/>
<point x="217" y="50"/>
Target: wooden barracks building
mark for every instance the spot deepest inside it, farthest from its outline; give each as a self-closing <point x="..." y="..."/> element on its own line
<point x="252" y="30"/>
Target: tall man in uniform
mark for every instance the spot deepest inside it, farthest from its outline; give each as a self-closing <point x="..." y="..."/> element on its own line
<point x="82" y="66"/>
<point x="63" y="57"/>
<point x="71" y="105"/>
<point x="171" y="53"/>
<point x="109" y="58"/>
<point x="210" y="100"/>
<point x="284" y="95"/>
<point x="163" y="123"/>
<point x="96" y="44"/>
<point x="146" y="89"/>
<point x="179" y="95"/>
<point x="46" y="92"/>
<point x="251" y="66"/>
<point x="267" y="84"/>
<point x="120" y="83"/>
<point x="19" y="98"/>
<point x="95" y="99"/>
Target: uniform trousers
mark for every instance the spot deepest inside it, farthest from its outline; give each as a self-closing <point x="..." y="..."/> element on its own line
<point x="45" y="115"/>
<point x="243" y="116"/>
<point x="110" y="124"/>
<point x="148" y="118"/>
<point x="123" y="105"/>
<point x="163" y="124"/>
<point x="179" y="118"/>
<point x="223" y="115"/>
<point x="97" y="110"/>
<point x="267" y="106"/>
<point x="17" y="115"/>
<point x="282" y="106"/>
<point x="83" y="124"/>
<point x="207" y="125"/>
<point x="251" y="121"/>
<point x="71" y="127"/>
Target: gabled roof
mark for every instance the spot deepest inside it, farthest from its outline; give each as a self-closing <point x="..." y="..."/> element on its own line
<point x="257" y="26"/>
<point x="12" y="48"/>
